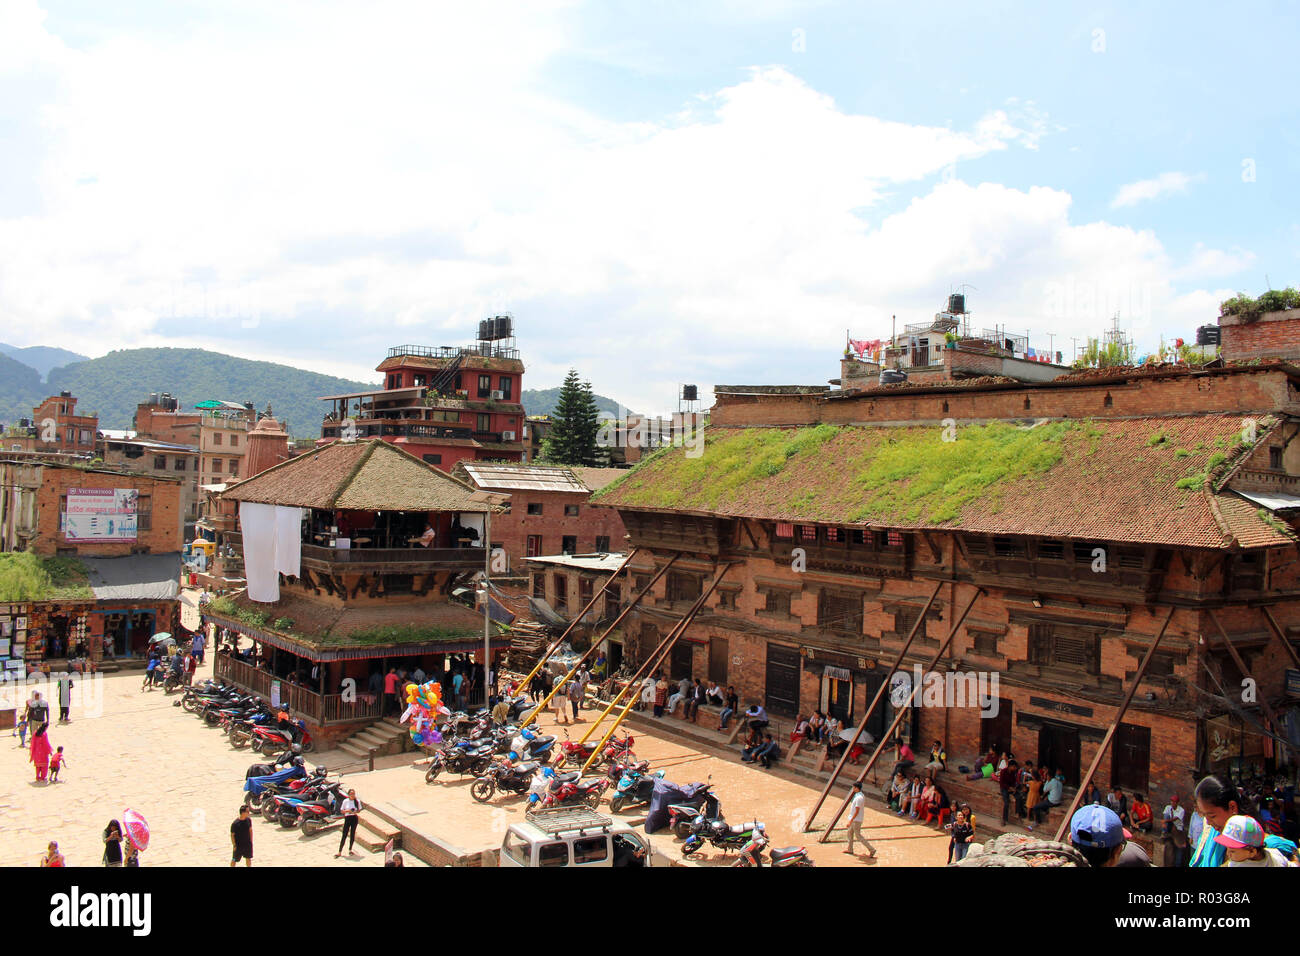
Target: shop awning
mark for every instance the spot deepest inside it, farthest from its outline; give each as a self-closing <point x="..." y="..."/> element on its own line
<point x="136" y="577"/>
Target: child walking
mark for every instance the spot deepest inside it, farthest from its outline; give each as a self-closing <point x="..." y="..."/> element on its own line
<point x="57" y="760"/>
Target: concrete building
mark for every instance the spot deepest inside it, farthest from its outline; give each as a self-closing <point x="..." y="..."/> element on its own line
<point x="162" y="459"/>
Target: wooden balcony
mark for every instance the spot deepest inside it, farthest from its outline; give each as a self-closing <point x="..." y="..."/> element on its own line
<point x="319" y="709"/>
<point x="411" y="560"/>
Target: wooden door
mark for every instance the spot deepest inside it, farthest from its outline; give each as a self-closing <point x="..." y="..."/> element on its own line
<point x="782" y="697"/>
<point x="718" y="657"/>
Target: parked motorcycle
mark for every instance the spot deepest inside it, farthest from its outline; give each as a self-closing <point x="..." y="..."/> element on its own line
<point x="577" y="754"/>
<point x="505" y="776"/>
<point x="681" y="816"/>
<point x="256" y="788"/>
<point x="475" y="761"/>
<point x="285" y="808"/>
<point x="569" y="789"/>
<point x="634" y="790"/>
<point x="719" y="833"/>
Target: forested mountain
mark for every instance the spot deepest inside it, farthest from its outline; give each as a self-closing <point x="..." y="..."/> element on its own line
<point x="542" y="401"/>
<point x="41" y="357"/>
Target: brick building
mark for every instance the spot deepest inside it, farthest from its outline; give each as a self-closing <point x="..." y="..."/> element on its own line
<point x="443" y="405"/>
<point x="566" y="582"/>
<point x="548" y="511"/>
<point x="149" y="456"/>
<point x="1081" y="519"/>
<point x="55" y="428"/>
<point x="115" y="536"/>
<point x="223" y="439"/>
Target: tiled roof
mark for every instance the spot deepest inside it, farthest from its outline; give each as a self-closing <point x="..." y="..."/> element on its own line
<point x="1113" y="480"/>
<point x="364" y="476"/>
<point x="597" y="478"/>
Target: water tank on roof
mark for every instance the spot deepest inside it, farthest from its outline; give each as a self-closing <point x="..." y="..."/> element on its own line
<point x="503" y="327"/>
<point x="892" y="376"/>
<point x="153" y="398"/>
<point x="957" y="304"/>
<point x="484" y="330"/>
<point x="690" y="393"/>
<point x="1207" y="335"/>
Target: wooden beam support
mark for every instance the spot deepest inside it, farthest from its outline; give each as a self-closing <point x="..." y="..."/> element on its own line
<point x="898" y="718"/>
<point x="871" y="708"/>
<point x="1114" y="725"/>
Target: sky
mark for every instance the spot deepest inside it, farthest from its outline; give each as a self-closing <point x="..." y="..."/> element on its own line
<point x="660" y="194"/>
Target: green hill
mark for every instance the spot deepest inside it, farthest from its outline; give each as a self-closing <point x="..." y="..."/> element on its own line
<point x="20" y="390"/>
<point x="113" y="385"/>
<point x="542" y="401"/>
<point x="42" y="357"/>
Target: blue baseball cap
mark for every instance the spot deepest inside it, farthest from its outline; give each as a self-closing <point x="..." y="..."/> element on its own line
<point x="1097" y="826"/>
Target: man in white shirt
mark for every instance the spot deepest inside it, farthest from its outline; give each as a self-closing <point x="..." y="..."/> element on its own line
<point x="857" y="810"/>
<point x="1173" y="815"/>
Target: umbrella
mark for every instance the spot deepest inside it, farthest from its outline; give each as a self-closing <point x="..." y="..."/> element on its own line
<point x="137" y="830"/>
<point x="162" y="637"/>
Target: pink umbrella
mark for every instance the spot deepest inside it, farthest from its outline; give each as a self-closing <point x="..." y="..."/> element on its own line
<point x="137" y="829"/>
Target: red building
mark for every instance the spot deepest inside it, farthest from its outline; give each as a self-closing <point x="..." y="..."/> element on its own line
<point x="443" y="405"/>
<point x="549" y="511"/>
<point x="56" y="427"/>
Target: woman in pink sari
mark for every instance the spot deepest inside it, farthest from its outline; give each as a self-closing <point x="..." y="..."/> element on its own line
<point x="41" y="752"/>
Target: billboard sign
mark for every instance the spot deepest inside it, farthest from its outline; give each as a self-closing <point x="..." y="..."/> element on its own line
<point x="101" y="514"/>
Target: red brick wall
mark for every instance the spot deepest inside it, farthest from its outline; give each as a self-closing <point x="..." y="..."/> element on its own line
<point x="164" y="535"/>
<point x="1259" y="392"/>
<point x="1272" y="335"/>
<point x="512" y="530"/>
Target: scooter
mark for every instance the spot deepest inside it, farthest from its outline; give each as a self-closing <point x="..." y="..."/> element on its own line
<point x="752" y="853"/>
<point x="634" y="790"/>
<point x="256" y="788"/>
<point x="533" y="746"/>
<point x="579" y="753"/>
<point x="287" y="733"/>
<point x="505" y="776"/>
<point x="281" y="808"/>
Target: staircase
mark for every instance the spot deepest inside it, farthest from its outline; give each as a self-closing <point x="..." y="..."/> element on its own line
<point x="442" y="383"/>
<point x="384" y="736"/>
<point x="374" y="832"/>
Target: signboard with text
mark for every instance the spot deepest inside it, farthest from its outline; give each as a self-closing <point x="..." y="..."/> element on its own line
<point x="101" y="514"/>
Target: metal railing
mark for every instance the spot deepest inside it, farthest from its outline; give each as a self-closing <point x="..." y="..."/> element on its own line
<point x="445" y="557"/>
<point x="484" y="349"/>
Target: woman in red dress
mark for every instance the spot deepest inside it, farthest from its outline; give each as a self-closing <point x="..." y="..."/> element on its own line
<point x="41" y="753"/>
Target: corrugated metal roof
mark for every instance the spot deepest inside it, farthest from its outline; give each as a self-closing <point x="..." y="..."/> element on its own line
<point x="587" y="562"/>
<point x="1277" y="501"/>
<point x="522" y="477"/>
<point x="136" y="577"/>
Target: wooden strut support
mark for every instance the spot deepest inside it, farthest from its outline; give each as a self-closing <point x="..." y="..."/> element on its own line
<point x="596" y="644"/>
<point x="871" y="708"/>
<point x="1245" y="672"/>
<point x="902" y="712"/>
<point x="1281" y="635"/>
<point x="572" y="624"/>
<point x="635" y="679"/>
<point x="655" y="660"/>
<point x="1064" y="828"/>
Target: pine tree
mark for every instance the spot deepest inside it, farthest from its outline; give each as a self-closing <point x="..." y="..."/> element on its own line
<point x="574" y="425"/>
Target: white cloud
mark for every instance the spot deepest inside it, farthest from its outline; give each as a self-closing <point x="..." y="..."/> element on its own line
<point x="303" y="184"/>
<point x="1166" y="184"/>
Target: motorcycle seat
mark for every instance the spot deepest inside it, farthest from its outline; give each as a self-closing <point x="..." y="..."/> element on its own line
<point x="569" y="777"/>
<point x="786" y="853"/>
<point x="542" y="741"/>
<point x="528" y="767"/>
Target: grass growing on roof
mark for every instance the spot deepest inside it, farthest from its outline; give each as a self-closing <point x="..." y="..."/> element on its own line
<point x="26" y="577"/>
<point x="932" y="479"/>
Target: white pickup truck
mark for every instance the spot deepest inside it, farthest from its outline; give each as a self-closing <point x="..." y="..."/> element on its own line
<point x="573" y="836"/>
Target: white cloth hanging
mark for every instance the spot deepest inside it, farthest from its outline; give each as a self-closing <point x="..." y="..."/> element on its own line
<point x="288" y="541"/>
<point x="257" y="524"/>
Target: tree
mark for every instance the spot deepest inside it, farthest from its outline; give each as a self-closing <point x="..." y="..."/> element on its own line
<point x="574" y="425"/>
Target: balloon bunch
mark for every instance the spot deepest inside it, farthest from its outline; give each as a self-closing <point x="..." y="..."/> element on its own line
<point x="422" y="702"/>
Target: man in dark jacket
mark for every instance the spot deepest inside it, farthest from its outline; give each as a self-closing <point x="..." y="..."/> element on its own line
<point x="1007" y="780"/>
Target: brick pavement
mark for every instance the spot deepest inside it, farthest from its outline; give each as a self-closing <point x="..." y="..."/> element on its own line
<point x="146" y="754"/>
